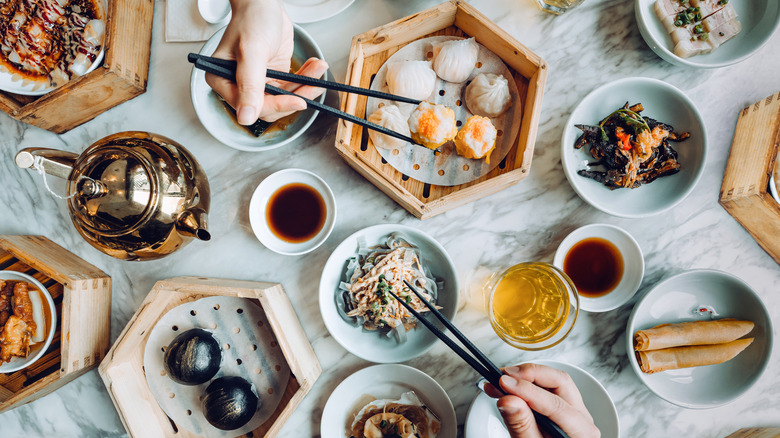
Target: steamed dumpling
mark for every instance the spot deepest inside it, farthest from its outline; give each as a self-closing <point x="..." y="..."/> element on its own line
<point x="390" y="117"/>
<point x="432" y="125"/>
<point x="454" y="60"/>
<point x="488" y="95"/>
<point x="476" y="139"/>
<point x="412" y="79"/>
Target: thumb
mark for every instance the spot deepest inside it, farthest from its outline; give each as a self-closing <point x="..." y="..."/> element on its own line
<point x="518" y="417"/>
<point x="250" y="81"/>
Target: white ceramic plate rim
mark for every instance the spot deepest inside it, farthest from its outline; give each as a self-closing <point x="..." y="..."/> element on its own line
<point x="266" y="188"/>
<point x="575" y="184"/>
<point x="16" y="87"/>
<point x="318" y="12"/>
<point x="20" y="364"/>
<point x="381" y="375"/>
<point x="660" y="287"/>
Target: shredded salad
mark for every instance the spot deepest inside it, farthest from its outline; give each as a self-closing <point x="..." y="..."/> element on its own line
<point x="372" y="272"/>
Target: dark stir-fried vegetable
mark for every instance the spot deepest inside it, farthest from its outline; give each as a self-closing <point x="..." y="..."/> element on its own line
<point x="632" y="149"/>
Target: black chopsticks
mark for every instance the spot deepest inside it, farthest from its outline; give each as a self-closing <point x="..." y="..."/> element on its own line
<point x="227" y="69"/>
<point x="483" y="366"/>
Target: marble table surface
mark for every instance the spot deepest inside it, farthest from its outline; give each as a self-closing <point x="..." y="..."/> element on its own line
<point x="596" y="43"/>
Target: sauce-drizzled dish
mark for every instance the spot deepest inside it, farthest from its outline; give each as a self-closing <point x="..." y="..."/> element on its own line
<point x="296" y="212"/>
<point x="595" y="266"/>
<point x="385" y="418"/>
<point x="698" y="26"/>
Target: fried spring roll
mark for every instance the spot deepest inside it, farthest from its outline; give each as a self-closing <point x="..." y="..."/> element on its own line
<point x="691" y="333"/>
<point x="692" y="356"/>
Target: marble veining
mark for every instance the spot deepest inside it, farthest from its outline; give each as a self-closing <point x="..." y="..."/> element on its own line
<point x="585" y="48"/>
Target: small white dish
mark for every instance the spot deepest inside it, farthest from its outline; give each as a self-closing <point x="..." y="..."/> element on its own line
<point x="662" y="102"/>
<point x="633" y="264"/>
<point x="222" y="125"/>
<point x="372" y="345"/>
<point x="259" y="202"/>
<point x="759" y="19"/>
<point x="384" y="382"/>
<point x="310" y="11"/>
<point x="215" y="11"/>
<point x="484" y="421"/>
<point x="39" y="349"/>
<point x="676" y="300"/>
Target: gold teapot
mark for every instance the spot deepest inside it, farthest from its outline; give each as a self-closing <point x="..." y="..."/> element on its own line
<point x="133" y="195"/>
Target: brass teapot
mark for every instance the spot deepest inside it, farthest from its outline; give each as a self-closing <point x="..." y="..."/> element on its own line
<point x="133" y="195"/>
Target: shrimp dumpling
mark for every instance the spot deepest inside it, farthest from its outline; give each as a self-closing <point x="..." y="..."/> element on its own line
<point x="488" y="95"/>
<point x="390" y="117"/>
<point x="454" y="60"/>
<point x="432" y="125"/>
<point x="412" y="79"/>
<point x="476" y="139"/>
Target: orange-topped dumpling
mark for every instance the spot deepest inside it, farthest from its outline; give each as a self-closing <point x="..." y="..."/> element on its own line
<point x="477" y="138"/>
<point x="432" y="125"/>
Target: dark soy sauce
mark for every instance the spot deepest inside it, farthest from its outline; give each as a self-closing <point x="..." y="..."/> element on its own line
<point x="595" y="266"/>
<point x="296" y="213"/>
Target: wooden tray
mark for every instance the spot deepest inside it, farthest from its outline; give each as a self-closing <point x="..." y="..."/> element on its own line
<point x="121" y="77"/>
<point x="122" y="370"/>
<point x="82" y="295"/>
<point x="371" y="49"/>
<point x="749" y="167"/>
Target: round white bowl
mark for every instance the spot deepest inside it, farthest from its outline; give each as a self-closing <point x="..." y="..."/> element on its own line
<point x="384" y="382"/>
<point x="759" y="20"/>
<point x="484" y="421"/>
<point x="633" y="264"/>
<point x="259" y="203"/>
<point x="221" y="124"/>
<point x="662" y="102"/>
<point x="215" y="11"/>
<point x="39" y="349"/>
<point x="374" y="346"/>
<point x="674" y="300"/>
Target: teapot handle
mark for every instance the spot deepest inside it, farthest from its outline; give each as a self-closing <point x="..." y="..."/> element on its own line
<point x="54" y="162"/>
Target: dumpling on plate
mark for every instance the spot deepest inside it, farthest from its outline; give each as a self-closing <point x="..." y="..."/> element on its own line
<point x="406" y="417"/>
<point x="488" y="95"/>
<point x="412" y="79"/>
<point x="454" y="60"/>
<point x="432" y="125"/>
<point x="476" y="139"/>
<point x="390" y="117"/>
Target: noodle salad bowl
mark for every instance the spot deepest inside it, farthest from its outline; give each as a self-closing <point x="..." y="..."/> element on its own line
<point x="383" y="344"/>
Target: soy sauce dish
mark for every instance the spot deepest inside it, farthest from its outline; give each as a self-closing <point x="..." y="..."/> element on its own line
<point x="605" y="263"/>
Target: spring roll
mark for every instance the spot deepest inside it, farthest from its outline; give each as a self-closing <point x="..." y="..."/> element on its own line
<point x="692" y="356"/>
<point x="691" y="333"/>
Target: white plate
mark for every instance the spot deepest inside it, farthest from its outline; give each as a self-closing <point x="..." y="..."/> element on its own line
<point x="39" y="349"/>
<point x="309" y="11"/>
<point x="674" y="300"/>
<point x="373" y="345"/>
<point x="484" y="421"/>
<point x="221" y="124"/>
<point x="384" y="382"/>
<point x="759" y="20"/>
<point x="633" y="264"/>
<point x="262" y="195"/>
<point x="662" y="102"/>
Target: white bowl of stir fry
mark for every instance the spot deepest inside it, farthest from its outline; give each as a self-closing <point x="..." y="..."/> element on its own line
<point x="354" y="300"/>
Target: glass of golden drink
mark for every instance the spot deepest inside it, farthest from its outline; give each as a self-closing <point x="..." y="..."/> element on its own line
<point x="558" y="7"/>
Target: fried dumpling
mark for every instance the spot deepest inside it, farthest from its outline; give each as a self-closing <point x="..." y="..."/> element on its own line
<point x="390" y="117"/>
<point x="488" y="95"/>
<point x="476" y="139"/>
<point x="412" y="79"/>
<point x="454" y="60"/>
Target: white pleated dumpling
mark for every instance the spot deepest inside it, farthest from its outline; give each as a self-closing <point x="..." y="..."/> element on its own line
<point x="412" y="79"/>
<point x="454" y="60"/>
<point x="488" y="95"/>
<point x="390" y="117"/>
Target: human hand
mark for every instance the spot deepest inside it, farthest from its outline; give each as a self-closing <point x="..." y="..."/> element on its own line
<point x="260" y="36"/>
<point x="548" y="391"/>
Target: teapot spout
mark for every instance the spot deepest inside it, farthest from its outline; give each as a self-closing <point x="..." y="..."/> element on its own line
<point x="54" y="162"/>
<point x="193" y="223"/>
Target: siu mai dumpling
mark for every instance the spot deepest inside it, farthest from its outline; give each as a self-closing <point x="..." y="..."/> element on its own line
<point x="488" y="95"/>
<point x="390" y="117"/>
<point x="432" y="125"/>
<point x="454" y="60"/>
<point x="476" y="139"/>
<point x="412" y="79"/>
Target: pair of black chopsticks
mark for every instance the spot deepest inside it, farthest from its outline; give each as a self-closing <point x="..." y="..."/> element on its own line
<point x="227" y="69"/>
<point x="481" y="364"/>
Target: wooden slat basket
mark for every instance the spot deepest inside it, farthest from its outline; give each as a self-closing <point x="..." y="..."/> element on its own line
<point x="82" y="295"/>
<point x="371" y="49"/>
<point x="123" y="373"/>
<point x="121" y="77"/>
<point x="749" y="167"/>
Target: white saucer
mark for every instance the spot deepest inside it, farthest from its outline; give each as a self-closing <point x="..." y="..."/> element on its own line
<point x="309" y="11"/>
